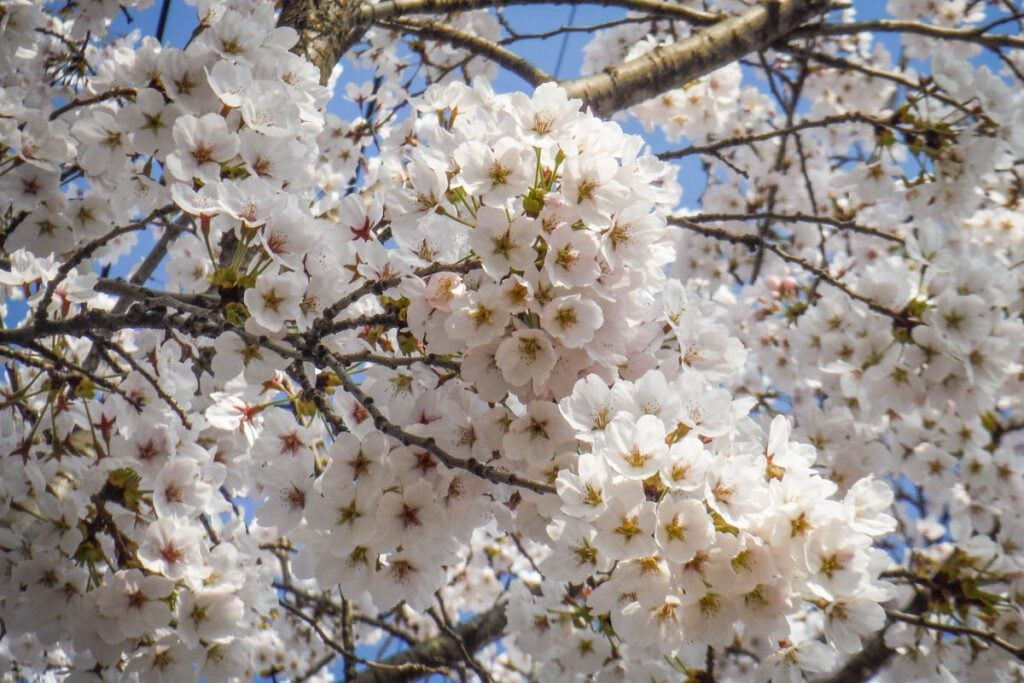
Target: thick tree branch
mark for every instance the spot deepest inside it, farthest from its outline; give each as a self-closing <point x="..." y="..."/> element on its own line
<point x="89" y="323"/>
<point x="444" y="649"/>
<point x="405" y="671"/>
<point x="670" y="66"/>
<point x="390" y="9"/>
<point x="327" y="29"/>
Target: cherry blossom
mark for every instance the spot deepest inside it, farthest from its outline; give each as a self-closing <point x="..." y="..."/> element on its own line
<point x="298" y="388"/>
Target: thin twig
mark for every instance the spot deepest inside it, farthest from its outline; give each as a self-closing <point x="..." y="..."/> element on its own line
<point x="428" y="444"/>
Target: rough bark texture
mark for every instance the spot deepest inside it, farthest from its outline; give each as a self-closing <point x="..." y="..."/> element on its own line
<point x="671" y="66"/>
<point x="391" y="9"/>
<point x="442" y="650"/>
<point x="327" y="29"/>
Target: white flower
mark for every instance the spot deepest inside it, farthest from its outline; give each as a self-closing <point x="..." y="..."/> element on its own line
<point x="224" y="661"/>
<point x="150" y="118"/>
<point x="625" y="529"/>
<point x="503" y="245"/>
<point x="528" y="355"/>
<point x="684" y="527"/>
<point x="104" y="142"/>
<point x="249" y="200"/>
<point x="233" y="356"/>
<point x="208" y="615"/>
<point x="133" y="604"/>
<point x="288" y="490"/>
<point x="172" y="547"/>
<point x="230" y="81"/>
<point x="275" y="299"/>
<point x="479" y="317"/>
<point x="537" y="435"/>
<point x="168" y="660"/>
<point x="687" y="465"/>
<point x="585" y="494"/>
<point x="592" y="406"/>
<point x="711" y="614"/>
<point x="571" y="259"/>
<point x="652" y="394"/>
<point x="179" y="490"/>
<point x="868" y="502"/>
<point x="589" y="186"/>
<point x="284" y="439"/>
<point x="849" y="619"/>
<point x="201" y="145"/>
<point x="547" y="116"/>
<point x="443" y="289"/>
<point x="481" y="370"/>
<point x="498" y="173"/>
<point x="346" y="512"/>
<point x="354" y="458"/>
<point x="575" y="554"/>
<point x="268" y="108"/>
<point x="572" y="320"/>
<point x="635" y="449"/>
<point x="231" y="412"/>
<point x="736" y="487"/>
<point x="835" y="560"/>
<point x="403" y="518"/>
<point x="408" y="577"/>
<point x="787" y="665"/>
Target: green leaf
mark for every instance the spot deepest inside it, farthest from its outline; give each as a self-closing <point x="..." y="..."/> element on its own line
<point x="721" y="525"/>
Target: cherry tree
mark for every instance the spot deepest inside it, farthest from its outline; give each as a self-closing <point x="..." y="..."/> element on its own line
<point x="460" y="386"/>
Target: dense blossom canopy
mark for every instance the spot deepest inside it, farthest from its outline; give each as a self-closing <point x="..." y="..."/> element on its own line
<point x="460" y="386"/>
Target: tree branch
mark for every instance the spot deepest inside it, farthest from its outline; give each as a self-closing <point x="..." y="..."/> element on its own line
<point x="865" y="664"/>
<point x="471" y="465"/>
<point x="796" y="218"/>
<point x="478" y="46"/>
<point x="446" y="648"/>
<point x="967" y="35"/>
<point x="918" y="620"/>
<point x="748" y="139"/>
<point x="88" y="323"/>
<point x="669" y="66"/>
<point x="758" y="242"/>
<point x="327" y="29"/>
<point x="390" y="9"/>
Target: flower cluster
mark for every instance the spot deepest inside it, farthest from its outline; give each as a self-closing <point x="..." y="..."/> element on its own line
<point x="689" y="528"/>
<point x="121" y="548"/>
<point x="378" y="373"/>
<point x="564" y="214"/>
<point x="902" y="345"/>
